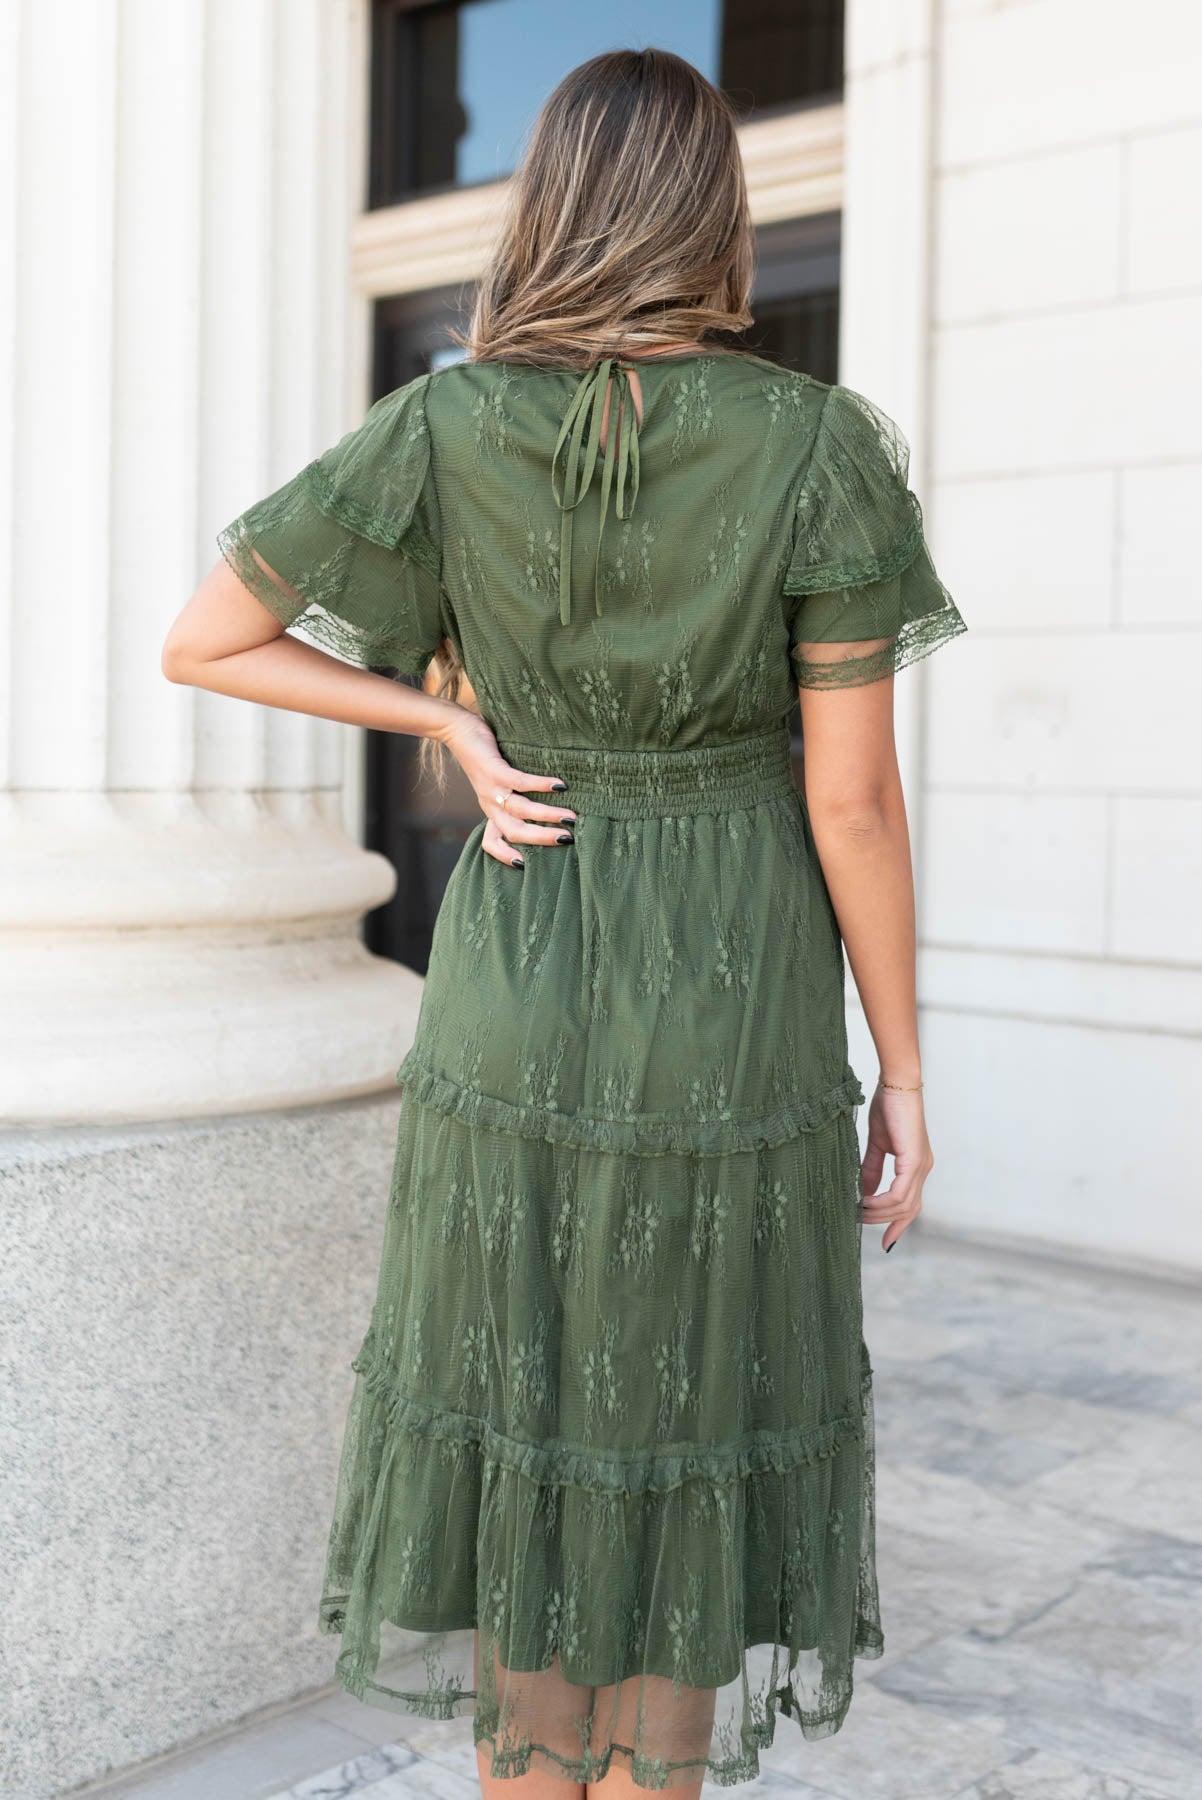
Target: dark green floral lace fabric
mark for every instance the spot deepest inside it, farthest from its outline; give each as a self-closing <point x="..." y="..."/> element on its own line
<point x="607" y="1477"/>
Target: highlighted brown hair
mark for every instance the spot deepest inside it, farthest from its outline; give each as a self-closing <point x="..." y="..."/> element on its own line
<point x="627" y="222"/>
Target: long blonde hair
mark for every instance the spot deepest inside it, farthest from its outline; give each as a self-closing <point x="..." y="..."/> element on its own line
<point x="626" y="225"/>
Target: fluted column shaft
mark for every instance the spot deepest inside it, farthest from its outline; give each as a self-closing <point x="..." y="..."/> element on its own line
<point x="179" y="899"/>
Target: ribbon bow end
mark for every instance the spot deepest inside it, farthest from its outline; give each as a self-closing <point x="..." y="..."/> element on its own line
<point x="585" y="412"/>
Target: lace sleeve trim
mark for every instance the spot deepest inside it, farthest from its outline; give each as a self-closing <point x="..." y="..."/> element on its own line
<point x="916" y="639"/>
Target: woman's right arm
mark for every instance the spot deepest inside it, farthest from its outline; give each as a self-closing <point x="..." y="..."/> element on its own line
<point x="857" y="814"/>
<point x="227" y="642"/>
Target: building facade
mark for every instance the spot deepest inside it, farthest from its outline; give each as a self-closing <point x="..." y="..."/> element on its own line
<point x="1031" y="166"/>
<point x="233" y="223"/>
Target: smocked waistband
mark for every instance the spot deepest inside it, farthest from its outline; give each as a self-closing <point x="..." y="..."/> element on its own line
<point x="631" y="784"/>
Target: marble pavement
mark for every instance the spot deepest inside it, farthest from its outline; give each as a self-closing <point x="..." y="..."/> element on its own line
<point x="1040" y="1555"/>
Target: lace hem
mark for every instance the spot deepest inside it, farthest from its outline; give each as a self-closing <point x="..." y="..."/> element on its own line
<point x="652" y="1772"/>
<point x="663" y="1632"/>
<point x="648" y="1134"/>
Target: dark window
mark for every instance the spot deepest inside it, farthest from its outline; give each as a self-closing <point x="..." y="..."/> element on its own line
<point x="779" y="52"/>
<point x="455" y="86"/>
<point x="421" y="831"/>
<point x="417" y="118"/>
<point x="796" y="301"/>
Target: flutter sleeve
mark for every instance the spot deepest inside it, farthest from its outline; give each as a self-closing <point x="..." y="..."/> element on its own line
<point x="860" y="571"/>
<point x="347" y="554"/>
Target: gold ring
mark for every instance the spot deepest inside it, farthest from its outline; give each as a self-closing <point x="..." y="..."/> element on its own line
<point x="502" y="795"/>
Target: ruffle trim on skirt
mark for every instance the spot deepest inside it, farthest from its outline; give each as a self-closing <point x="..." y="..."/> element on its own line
<point x="600" y="1471"/>
<point x="646" y="1134"/>
<point x="659" y="1629"/>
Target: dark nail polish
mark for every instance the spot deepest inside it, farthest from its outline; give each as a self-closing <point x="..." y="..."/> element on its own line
<point x="565" y="837"/>
<point x="559" y="786"/>
<point x="567" y="821"/>
<point x="889" y="1247"/>
<point x="518" y="862"/>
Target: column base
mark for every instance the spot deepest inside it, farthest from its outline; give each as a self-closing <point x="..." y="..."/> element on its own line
<point x="157" y="961"/>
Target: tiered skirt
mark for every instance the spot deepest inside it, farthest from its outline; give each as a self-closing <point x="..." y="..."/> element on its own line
<point x="607" y="1474"/>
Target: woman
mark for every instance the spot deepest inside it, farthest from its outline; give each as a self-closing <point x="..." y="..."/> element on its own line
<point x="610" y="1447"/>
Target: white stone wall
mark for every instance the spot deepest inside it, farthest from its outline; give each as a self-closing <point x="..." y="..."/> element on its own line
<point x="1051" y="367"/>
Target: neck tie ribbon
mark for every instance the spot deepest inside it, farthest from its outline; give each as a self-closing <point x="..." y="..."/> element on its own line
<point x="621" y="456"/>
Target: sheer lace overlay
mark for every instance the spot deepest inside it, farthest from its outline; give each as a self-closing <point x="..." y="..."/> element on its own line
<point x="606" y="1487"/>
<point x="346" y="552"/>
<point x="861" y="568"/>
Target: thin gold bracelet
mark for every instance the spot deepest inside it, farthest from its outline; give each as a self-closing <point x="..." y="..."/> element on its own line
<point x="896" y="1086"/>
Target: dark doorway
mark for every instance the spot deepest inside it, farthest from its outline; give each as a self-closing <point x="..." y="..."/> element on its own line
<point x="420" y="830"/>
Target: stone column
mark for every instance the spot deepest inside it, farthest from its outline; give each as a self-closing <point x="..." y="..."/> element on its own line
<point x="180" y="898"/>
<point x="179" y="893"/>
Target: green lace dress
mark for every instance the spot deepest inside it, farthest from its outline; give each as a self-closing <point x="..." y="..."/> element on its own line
<point x="613" y="1405"/>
